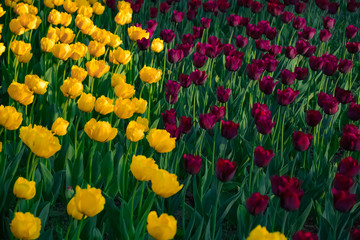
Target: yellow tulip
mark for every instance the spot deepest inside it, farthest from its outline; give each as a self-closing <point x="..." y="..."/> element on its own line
<point x="96" y="49"/>
<point x="25" y="58"/>
<point x="20" y="48"/>
<point x="86" y="102"/>
<point x="25" y="226"/>
<point x="96" y="68"/>
<point x="86" y="11"/>
<point x="122" y="5"/>
<point x="89" y="201"/>
<point x="62" y="51"/>
<point x="124" y="16"/>
<point x="165" y="184"/>
<point x="124" y="108"/>
<point x="85" y="24"/>
<point x="117" y="78"/>
<point x="66" y="35"/>
<point x="71" y="88"/>
<point x="58" y="2"/>
<point x="104" y="105"/>
<point x="16" y="27"/>
<point x="140" y="105"/>
<point x="70" y="6"/>
<point x="36" y="84"/>
<point x="115" y="40"/>
<point x="78" y="73"/>
<point x="23" y="8"/>
<point x="161" y="228"/>
<point x="11" y="3"/>
<point x="54" y="17"/>
<point x="144" y="122"/>
<point x="143" y="168"/>
<point x="49" y="3"/>
<point x="40" y="140"/>
<point x="10" y="118"/>
<point x="137" y="33"/>
<point x="24" y="189"/>
<point x="100" y="131"/>
<point x="60" y="126"/>
<point x="78" y="50"/>
<point x="65" y="19"/>
<point x="261" y="233"/>
<point x="47" y="44"/>
<point x="134" y="131"/>
<point x="29" y="21"/>
<point x="150" y="75"/>
<point x="122" y="56"/>
<point x="2" y="48"/>
<point x="53" y="33"/>
<point x="73" y="211"/>
<point x="157" y="45"/>
<point x="98" y="9"/>
<point x="1" y="146"/>
<point x="82" y="3"/>
<point x="101" y="36"/>
<point x="124" y="90"/>
<point x="112" y="59"/>
<point x="20" y="93"/>
<point x="160" y="140"/>
<point x="2" y="12"/>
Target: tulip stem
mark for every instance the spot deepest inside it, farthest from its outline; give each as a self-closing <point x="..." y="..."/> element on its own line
<point x="91" y="160"/>
<point x="293" y="167"/>
<point x="141" y="197"/>
<point x="28" y="165"/>
<point x="132" y="204"/>
<point x="213" y="156"/>
<point x="220" y="184"/>
<point x="149" y="102"/>
<point x="33" y="166"/>
<point x="124" y="169"/>
<point x="284" y="222"/>
<point x="163" y="72"/>
<point x="17" y="205"/>
<point x="79" y="228"/>
<point x="4" y="145"/>
<point x="68" y="229"/>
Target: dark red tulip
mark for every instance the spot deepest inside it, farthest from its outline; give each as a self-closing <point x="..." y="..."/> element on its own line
<point x="350" y="31"/>
<point x="301" y="141"/>
<point x="270" y="63"/>
<point x="184" y="80"/>
<point x="352" y="5"/>
<point x="344" y="96"/>
<point x="233" y="61"/>
<point x="241" y="41"/>
<point x="199" y="60"/>
<point x="151" y="25"/>
<point x="328" y="22"/>
<point x="349" y="167"/>
<point x="275" y="50"/>
<point x="262" y="157"/>
<point x="194" y="4"/>
<point x="172" y="91"/>
<point x="355" y="234"/>
<point x="302" y="47"/>
<point x="207" y="121"/>
<point x="267" y="85"/>
<point x="200" y="48"/>
<point x="308" y="33"/>
<point x="262" y="45"/>
<point x="324" y="35"/>
<point x="300" y="7"/>
<point x="350" y="139"/>
<point x="173" y="130"/>
<point x="329" y="67"/>
<point x="264" y="124"/>
<point x="287" y="96"/>
<point x="316" y="63"/>
<point x="301" y="235"/>
<point x="256" y="204"/>
<point x="175" y="55"/>
<point x="254" y="31"/>
<point x="233" y="20"/>
<point x="205" y="22"/>
<point x="228" y="49"/>
<point x="275" y="8"/>
<point x="143" y="44"/>
<point x="192" y="163"/>
<point x="167" y="35"/>
<point x="313" y="118"/>
<point x="328" y="103"/>
<point x="255" y="69"/>
<point x="191" y="14"/>
<point x="111" y="4"/>
<point x="278" y="183"/>
<point x="287" y="17"/>
<point x="187" y="38"/>
<point x="218" y="112"/>
<point x="301" y="73"/>
<point x="153" y="12"/>
<point x="260" y="110"/>
<point x="333" y="7"/>
<point x="256" y="7"/>
<point x="198" y="77"/>
<point x="222" y="94"/>
<point x="344" y="201"/>
<point x="229" y="129"/>
<point x="225" y="170"/>
<point x="299" y="23"/>
<point x="263" y="25"/>
<point x="287" y="77"/>
<point x="345" y="66"/>
<point x="210" y="6"/>
<point x="353" y="47"/>
<point x="290" y="52"/>
<point x="164" y="7"/>
<point x="214" y="47"/>
<point x="224" y="5"/>
<point x="198" y="32"/>
<point x="310" y="51"/>
<point x="169" y="116"/>
<point x="322" y="4"/>
<point x="288" y="189"/>
<point x="185" y="124"/>
<point x="270" y="33"/>
<point x="343" y="182"/>
<point x="186" y="48"/>
<point x="245" y="3"/>
<point x="354" y="111"/>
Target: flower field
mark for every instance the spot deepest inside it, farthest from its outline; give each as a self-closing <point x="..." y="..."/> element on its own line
<point x="180" y="119"/>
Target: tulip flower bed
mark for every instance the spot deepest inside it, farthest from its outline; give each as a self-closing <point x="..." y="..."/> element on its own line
<point x="219" y="119"/>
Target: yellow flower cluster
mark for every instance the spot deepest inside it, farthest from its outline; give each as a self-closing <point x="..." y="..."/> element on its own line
<point x="10" y="118"/>
<point x="124" y="16"/>
<point x="261" y="233"/>
<point x="21" y="50"/>
<point x="82" y="7"/>
<point x="2" y="46"/>
<point x="27" y="19"/>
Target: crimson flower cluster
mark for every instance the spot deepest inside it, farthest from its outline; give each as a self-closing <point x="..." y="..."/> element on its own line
<point x="262" y="116"/>
<point x="288" y="190"/>
<point x="170" y="122"/>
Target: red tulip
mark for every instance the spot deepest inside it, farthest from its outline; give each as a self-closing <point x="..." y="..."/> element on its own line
<point x="313" y="118"/>
<point x="344" y="201"/>
<point x="301" y="235"/>
<point x="350" y="139"/>
<point x="225" y="170"/>
<point x="262" y="157"/>
<point x="256" y="204"/>
<point x="192" y="163"/>
<point x="354" y="111"/>
<point x="301" y="141"/>
<point x="287" y="96"/>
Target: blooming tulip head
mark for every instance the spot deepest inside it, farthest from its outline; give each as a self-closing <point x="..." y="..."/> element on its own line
<point x="165" y="184"/>
<point x="10" y="118"/>
<point x="160" y="140"/>
<point x="225" y="170"/>
<point x="256" y="204"/>
<point x="100" y="131"/>
<point x="262" y="157"/>
<point x="143" y="168"/>
<point x="192" y="163"/>
<point x="25" y="226"/>
<point x="161" y="228"/>
<point x="89" y="201"/>
<point x="24" y="189"/>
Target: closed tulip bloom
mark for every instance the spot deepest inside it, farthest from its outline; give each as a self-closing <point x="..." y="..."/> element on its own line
<point x="122" y="56"/>
<point x="161" y="228"/>
<point x="16" y="27"/>
<point x="78" y="50"/>
<point x="343" y="182"/>
<point x="222" y="94"/>
<point x="20" y="48"/>
<point x="192" y="163"/>
<point x="160" y="140"/>
<point x="53" y="33"/>
<point x="150" y="75"/>
<point x="117" y="78"/>
<point x="70" y="6"/>
<point x="135" y="131"/>
<point x="299" y="23"/>
<point x="140" y="105"/>
<point x="262" y="157"/>
<point x="301" y="141"/>
<point x="98" y="9"/>
<point x="354" y="111"/>
<point x="115" y="41"/>
<point x="225" y="170"/>
<point x="325" y="35"/>
<point x="71" y="88"/>
<point x="290" y="52"/>
<point x="355" y="234"/>
<point x="2" y="48"/>
<point x="350" y="139"/>
<point x="124" y="90"/>
<point x="104" y="105"/>
<point x="65" y="19"/>
<point x="349" y="167"/>
<point x="54" y="17"/>
<point x="23" y="8"/>
<point x="24" y="189"/>
<point x="89" y="201"/>
<point x="165" y="184"/>
<point x="25" y="58"/>
<point x="350" y="31"/>
<point x="36" y="84"/>
<point x="313" y="118"/>
<point x="343" y="96"/>
<point x="137" y="33"/>
<point x="73" y="211"/>
<point x="85" y="24"/>
<point x="10" y="118"/>
<point x="47" y="44"/>
<point x="86" y="102"/>
<point x="328" y="103"/>
<point x="100" y="131"/>
<point x="267" y="85"/>
<point x="207" y="121"/>
<point x="86" y="11"/>
<point x="167" y="35"/>
<point x="78" y="73"/>
<point x="20" y="93"/>
<point x="97" y="68"/>
<point x="353" y="47"/>
<point x="264" y="124"/>
<point x="345" y="66"/>
<point x="62" y="51"/>
<point x="287" y="96"/>
<point x="25" y="226"/>
<point x="287" y="77"/>
<point x="301" y="73"/>
<point x="260" y="233"/>
<point x="143" y="168"/>
<point x="256" y="204"/>
<point x="124" y="108"/>
<point x="343" y="201"/>
<point x="157" y="45"/>
<point x="58" y="2"/>
<point x="60" y="126"/>
<point x="229" y="129"/>
<point x="29" y="21"/>
<point x="96" y="49"/>
<point x="40" y="140"/>
<point x="143" y="44"/>
<point x="124" y="16"/>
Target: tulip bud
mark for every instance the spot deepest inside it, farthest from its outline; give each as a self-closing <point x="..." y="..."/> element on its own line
<point x="225" y="170"/>
<point x="192" y="163"/>
<point x="256" y="204"/>
<point x="301" y="141"/>
<point x="262" y="157"/>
